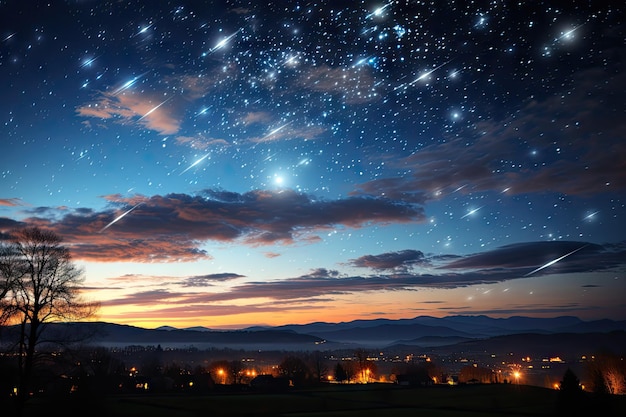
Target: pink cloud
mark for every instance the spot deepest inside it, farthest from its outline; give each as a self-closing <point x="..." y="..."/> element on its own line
<point x="131" y="108"/>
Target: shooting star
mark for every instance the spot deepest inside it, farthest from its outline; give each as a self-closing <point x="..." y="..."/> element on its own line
<point x="194" y="164"/>
<point x="568" y="34"/>
<point x="88" y="61"/>
<point x="273" y="132"/>
<point x="120" y="217"/>
<point x="154" y="108"/>
<point x="143" y="30"/>
<point x="379" y="11"/>
<point x="459" y="188"/>
<point x="552" y="262"/>
<point x="469" y="213"/>
<point x="128" y="84"/>
<point x="427" y="73"/>
<point x="6" y="38"/>
<point x="221" y="44"/>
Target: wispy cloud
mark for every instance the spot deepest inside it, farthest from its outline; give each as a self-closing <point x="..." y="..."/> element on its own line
<point x="208" y="280"/>
<point x="151" y="112"/>
<point x="11" y="202"/>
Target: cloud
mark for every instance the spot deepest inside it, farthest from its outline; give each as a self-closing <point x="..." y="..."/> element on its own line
<point x="207" y="280"/>
<point x="507" y="263"/>
<point x="322" y="273"/>
<point x="529" y="256"/>
<point x="257" y="117"/>
<point x="321" y="285"/>
<point x="522" y="154"/>
<point x="402" y="260"/>
<point x="173" y="227"/>
<point x="201" y="142"/>
<point x="520" y="309"/>
<point x="11" y="202"/>
<point x="151" y="297"/>
<point x="153" y="113"/>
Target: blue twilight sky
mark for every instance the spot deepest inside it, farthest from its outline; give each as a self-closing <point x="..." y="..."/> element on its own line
<point x="230" y="163"/>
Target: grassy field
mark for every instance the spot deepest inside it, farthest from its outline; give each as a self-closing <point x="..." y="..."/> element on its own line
<point x="335" y="400"/>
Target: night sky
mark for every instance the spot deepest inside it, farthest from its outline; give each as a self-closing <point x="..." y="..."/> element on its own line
<point x="228" y="163"/>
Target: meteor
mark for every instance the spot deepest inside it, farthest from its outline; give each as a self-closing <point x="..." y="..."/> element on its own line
<point x="194" y="164"/>
<point x="120" y="217"/>
<point x="9" y="37"/>
<point x="427" y="73"/>
<point x="469" y="213"/>
<point x="144" y="29"/>
<point x="459" y="188"/>
<point x="221" y="43"/>
<point x="154" y="108"/>
<point x="552" y="262"/>
<point x="378" y="11"/>
<point x="87" y="62"/>
<point x="128" y="84"/>
<point x="275" y="131"/>
<point x="569" y="34"/>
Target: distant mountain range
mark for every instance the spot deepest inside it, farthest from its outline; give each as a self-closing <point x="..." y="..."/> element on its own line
<point x="431" y="331"/>
<point x="422" y="331"/>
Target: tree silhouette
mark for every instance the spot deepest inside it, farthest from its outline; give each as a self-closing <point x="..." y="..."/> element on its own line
<point x="570" y="384"/>
<point x="571" y="396"/>
<point x="295" y="369"/>
<point x="607" y="373"/>
<point x="44" y="287"/>
<point x="340" y="373"/>
<point x="318" y="366"/>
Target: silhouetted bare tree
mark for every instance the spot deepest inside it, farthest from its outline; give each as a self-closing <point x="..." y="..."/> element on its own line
<point x="318" y="366"/>
<point x="608" y="373"/>
<point x="9" y="274"/>
<point x="295" y="369"/>
<point x="43" y="287"/>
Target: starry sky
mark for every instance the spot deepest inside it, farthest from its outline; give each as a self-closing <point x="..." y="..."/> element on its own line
<point x="231" y="163"/>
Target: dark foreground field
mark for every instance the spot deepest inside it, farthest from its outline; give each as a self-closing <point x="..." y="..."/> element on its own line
<point x="339" y="400"/>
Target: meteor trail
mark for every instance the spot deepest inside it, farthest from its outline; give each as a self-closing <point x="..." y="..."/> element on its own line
<point x="273" y="132"/>
<point x="88" y="62"/>
<point x="552" y="262"/>
<point x="128" y="84"/>
<point x="9" y="37"/>
<point x="154" y="108"/>
<point x="378" y="11"/>
<point x="469" y="213"/>
<point x="221" y="43"/>
<point x="570" y="33"/>
<point x="120" y="217"/>
<point x="427" y="73"/>
<point x="194" y="164"/>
